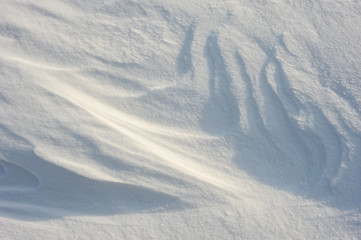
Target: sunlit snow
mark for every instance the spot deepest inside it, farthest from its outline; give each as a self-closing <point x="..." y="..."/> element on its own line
<point x="130" y="119"/>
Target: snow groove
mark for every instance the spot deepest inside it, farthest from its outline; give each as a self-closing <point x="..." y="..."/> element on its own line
<point x="184" y="59"/>
<point x="333" y="152"/>
<point x="130" y="119"/>
<point x="308" y="157"/>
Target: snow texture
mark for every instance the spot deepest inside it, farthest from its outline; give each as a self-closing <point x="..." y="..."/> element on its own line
<point x="129" y="119"/>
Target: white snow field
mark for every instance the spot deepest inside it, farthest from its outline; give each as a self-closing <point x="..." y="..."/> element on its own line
<point x="164" y="119"/>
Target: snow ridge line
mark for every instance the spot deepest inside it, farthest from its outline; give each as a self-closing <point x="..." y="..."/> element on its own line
<point x="146" y="135"/>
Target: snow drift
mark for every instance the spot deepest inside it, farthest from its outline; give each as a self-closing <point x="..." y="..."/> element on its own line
<point x="156" y="120"/>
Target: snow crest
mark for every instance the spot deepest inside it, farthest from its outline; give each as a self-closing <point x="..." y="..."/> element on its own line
<point x="210" y="120"/>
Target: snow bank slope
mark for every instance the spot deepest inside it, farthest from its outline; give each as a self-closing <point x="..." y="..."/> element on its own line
<point x="216" y="120"/>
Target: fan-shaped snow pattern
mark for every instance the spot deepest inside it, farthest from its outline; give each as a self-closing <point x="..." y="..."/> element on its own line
<point x="180" y="120"/>
<point x="300" y="159"/>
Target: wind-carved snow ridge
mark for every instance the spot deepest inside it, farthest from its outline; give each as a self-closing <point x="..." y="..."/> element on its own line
<point x="302" y="157"/>
<point x="130" y="119"/>
<point x="271" y="130"/>
<point x="45" y="193"/>
<point x="220" y="114"/>
<point x="151" y="137"/>
<point x="16" y="178"/>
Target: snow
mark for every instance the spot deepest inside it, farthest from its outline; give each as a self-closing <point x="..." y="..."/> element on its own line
<point x="129" y="119"/>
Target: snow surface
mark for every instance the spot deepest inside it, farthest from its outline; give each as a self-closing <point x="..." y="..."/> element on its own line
<point x="130" y="119"/>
